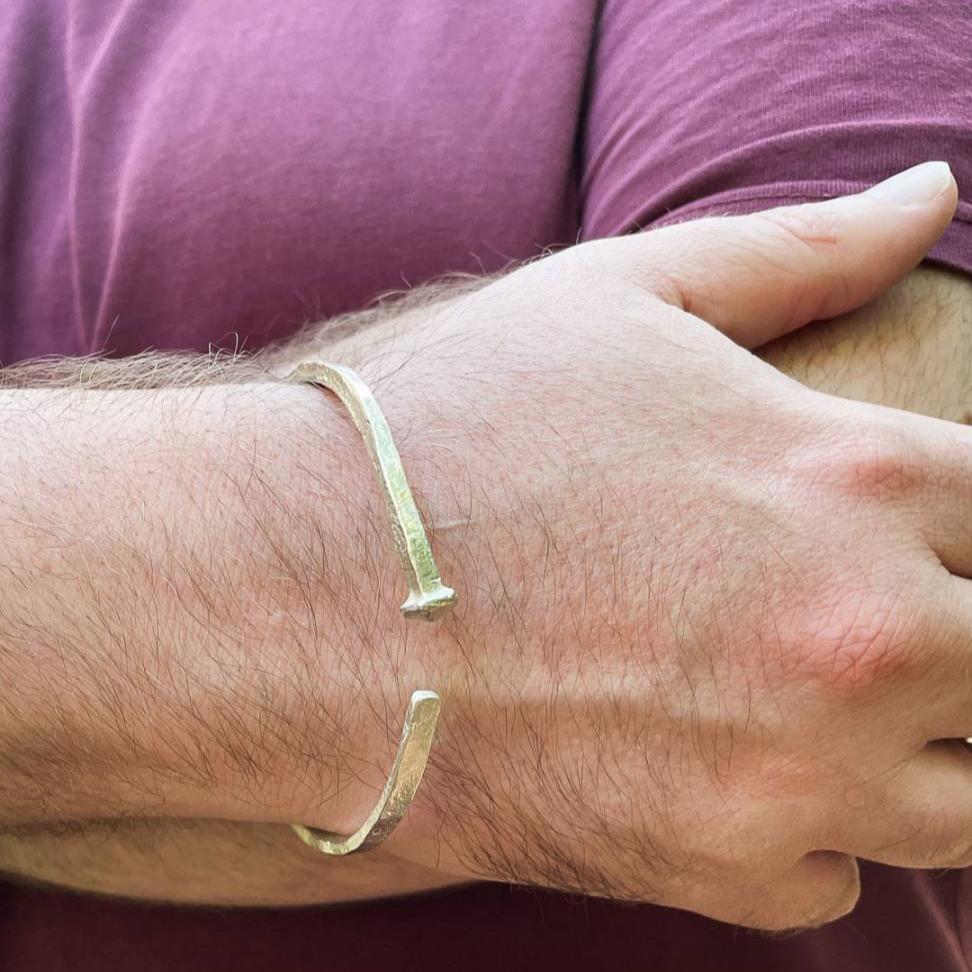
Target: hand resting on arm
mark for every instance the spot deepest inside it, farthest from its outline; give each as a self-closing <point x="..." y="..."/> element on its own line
<point x="712" y="621"/>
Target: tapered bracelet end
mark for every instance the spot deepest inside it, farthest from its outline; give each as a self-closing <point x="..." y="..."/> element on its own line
<point x="428" y="605"/>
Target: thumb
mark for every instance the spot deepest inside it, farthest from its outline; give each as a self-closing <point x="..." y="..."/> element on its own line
<point x="760" y="276"/>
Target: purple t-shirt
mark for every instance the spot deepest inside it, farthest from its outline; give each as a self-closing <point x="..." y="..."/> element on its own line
<point x="177" y="174"/>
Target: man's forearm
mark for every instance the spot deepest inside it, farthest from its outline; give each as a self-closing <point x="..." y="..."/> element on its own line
<point x="572" y="628"/>
<point x="870" y="354"/>
<point x="189" y="602"/>
<point x="909" y="349"/>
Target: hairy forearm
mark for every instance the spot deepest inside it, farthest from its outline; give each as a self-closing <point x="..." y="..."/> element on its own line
<point x="909" y="349"/>
<point x="190" y="575"/>
<point x="214" y="862"/>
<point x="912" y="348"/>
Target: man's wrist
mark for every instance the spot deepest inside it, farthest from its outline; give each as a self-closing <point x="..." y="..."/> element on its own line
<point x="197" y="627"/>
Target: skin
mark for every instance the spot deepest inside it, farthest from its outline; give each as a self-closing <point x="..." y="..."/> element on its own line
<point x="714" y="623"/>
<point x="910" y="348"/>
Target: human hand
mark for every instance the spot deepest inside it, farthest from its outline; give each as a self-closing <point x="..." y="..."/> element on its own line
<point x="714" y="624"/>
<point x="262" y="871"/>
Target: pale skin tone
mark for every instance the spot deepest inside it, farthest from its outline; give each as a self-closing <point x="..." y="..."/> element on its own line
<point x="542" y="671"/>
<point x="910" y="348"/>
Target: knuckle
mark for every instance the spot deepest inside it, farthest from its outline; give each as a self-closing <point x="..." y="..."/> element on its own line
<point x="813" y="233"/>
<point x="675" y="248"/>
<point x="864" y="634"/>
<point x="875" y="464"/>
<point x="658" y="262"/>
<point x="809" y="227"/>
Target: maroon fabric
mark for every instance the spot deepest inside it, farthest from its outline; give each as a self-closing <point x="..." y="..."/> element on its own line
<point x="901" y="925"/>
<point x="177" y="174"/>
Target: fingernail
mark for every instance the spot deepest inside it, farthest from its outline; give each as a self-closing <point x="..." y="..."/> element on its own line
<point x="917" y="185"/>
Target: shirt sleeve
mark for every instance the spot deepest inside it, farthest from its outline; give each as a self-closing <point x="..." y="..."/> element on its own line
<point x="704" y="107"/>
